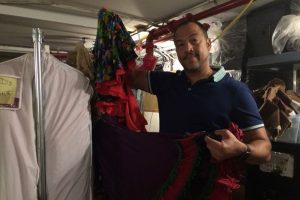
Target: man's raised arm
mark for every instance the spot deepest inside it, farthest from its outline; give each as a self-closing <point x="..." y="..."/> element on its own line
<point x="139" y="79"/>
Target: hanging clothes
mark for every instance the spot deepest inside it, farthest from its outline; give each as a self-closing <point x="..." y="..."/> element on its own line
<point x="67" y="93"/>
<point x="114" y="55"/>
<point x="19" y="170"/>
<point x="160" y="166"/>
<point x="67" y="127"/>
<point x="80" y="59"/>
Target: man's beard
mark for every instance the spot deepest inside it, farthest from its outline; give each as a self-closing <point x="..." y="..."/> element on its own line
<point x="191" y="68"/>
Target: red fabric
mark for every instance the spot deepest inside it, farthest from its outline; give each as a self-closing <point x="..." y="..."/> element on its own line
<point x="229" y="173"/>
<point x="134" y="119"/>
<point x="125" y="106"/>
<point x="186" y="166"/>
<point x="115" y="108"/>
<point x="149" y="62"/>
<point x="131" y="65"/>
<point x="113" y="87"/>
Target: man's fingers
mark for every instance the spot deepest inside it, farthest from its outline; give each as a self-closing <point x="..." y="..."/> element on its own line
<point x="224" y="133"/>
<point x="210" y="142"/>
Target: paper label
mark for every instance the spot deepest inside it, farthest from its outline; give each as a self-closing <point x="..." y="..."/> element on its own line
<point x="8" y="90"/>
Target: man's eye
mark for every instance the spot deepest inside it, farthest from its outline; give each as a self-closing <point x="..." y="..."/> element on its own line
<point x="179" y="44"/>
<point x="194" y="40"/>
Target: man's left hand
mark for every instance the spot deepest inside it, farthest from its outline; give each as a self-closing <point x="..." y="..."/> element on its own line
<point x="228" y="147"/>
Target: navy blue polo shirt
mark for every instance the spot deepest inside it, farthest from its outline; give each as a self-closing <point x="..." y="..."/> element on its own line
<point x="208" y="104"/>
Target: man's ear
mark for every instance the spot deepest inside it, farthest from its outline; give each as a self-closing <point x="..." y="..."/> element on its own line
<point x="208" y="43"/>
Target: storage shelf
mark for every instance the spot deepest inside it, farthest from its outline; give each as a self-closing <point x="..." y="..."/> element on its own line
<point x="274" y="60"/>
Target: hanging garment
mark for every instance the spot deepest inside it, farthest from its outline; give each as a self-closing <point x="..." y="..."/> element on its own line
<point x="114" y="54"/>
<point x="81" y="60"/>
<point x="67" y="125"/>
<point x="67" y="131"/>
<point x="19" y="170"/>
<point x="160" y="166"/>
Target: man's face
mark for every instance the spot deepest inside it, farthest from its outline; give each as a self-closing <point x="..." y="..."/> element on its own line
<point x="192" y="47"/>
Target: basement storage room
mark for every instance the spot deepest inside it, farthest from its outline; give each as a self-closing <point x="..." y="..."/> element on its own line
<point x="149" y="100"/>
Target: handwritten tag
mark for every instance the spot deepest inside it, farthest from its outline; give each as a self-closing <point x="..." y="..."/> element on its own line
<point x="8" y="90"/>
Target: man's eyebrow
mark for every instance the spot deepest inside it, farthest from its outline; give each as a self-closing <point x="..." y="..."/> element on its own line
<point x="177" y="40"/>
<point x="193" y="34"/>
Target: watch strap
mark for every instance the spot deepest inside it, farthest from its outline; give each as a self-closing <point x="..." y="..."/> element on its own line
<point x="245" y="154"/>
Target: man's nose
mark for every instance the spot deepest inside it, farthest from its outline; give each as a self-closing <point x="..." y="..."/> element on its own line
<point x="189" y="47"/>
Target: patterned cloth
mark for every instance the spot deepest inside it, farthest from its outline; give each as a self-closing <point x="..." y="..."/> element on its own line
<point x="114" y="54"/>
<point x="114" y="47"/>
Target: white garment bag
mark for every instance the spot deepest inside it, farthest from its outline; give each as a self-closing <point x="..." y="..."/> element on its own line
<point x="67" y="127"/>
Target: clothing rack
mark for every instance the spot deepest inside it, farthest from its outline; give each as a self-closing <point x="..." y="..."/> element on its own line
<point x="40" y="136"/>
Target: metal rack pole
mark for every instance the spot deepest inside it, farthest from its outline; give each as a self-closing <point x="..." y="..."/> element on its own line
<point x="40" y="137"/>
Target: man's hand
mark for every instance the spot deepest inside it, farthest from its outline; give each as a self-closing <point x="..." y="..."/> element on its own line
<point x="228" y="147"/>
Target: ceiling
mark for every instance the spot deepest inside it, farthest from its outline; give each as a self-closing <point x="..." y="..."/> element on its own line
<point x="65" y="23"/>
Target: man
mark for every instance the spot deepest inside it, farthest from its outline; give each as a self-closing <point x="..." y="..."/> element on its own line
<point x="203" y="99"/>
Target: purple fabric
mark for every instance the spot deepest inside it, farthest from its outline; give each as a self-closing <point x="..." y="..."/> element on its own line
<point x="133" y="166"/>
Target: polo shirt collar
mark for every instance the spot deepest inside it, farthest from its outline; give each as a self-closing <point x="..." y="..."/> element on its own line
<point x="216" y="77"/>
<point x="220" y="73"/>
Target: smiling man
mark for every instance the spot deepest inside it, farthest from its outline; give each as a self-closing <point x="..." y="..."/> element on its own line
<point x="192" y="47"/>
<point x="202" y="98"/>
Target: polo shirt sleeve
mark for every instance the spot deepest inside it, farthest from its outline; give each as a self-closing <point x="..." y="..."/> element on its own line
<point x="245" y="111"/>
<point x="160" y="82"/>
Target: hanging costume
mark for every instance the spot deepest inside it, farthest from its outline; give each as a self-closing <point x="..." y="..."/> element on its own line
<point x="67" y="127"/>
<point x="114" y="55"/>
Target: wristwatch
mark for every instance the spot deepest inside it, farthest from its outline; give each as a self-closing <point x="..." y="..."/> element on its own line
<point x="245" y="154"/>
